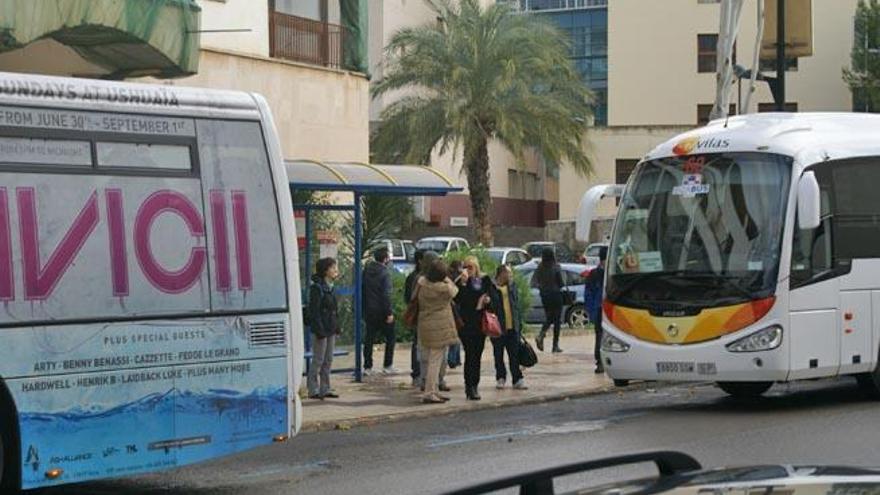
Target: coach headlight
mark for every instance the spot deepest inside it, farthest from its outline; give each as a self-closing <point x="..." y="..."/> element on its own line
<point x="611" y="343"/>
<point x="763" y="340"/>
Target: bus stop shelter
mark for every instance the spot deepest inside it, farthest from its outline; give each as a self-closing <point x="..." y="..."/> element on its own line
<point x="359" y="179"/>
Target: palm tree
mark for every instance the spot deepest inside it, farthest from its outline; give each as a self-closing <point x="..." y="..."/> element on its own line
<point x="481" y="74"/>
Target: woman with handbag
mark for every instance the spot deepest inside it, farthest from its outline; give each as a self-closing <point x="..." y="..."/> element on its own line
<point x="435" y="325"/>
<point x="504" y="300"/>
<point x="473" y="297"/>
<point x="548" y="280"/>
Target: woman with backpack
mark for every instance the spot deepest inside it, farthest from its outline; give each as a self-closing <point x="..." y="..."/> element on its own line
<point x="324" y="324"/>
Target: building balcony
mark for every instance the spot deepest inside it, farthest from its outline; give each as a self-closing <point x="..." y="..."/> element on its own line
<point x="306" y="40"/>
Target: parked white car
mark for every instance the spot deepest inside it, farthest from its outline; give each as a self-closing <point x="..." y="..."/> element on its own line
<point x="443" y="245"/>
<point x="509" y="255"/>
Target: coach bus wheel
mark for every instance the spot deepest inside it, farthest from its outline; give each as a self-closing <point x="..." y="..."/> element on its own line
<point x="745" y="390"/>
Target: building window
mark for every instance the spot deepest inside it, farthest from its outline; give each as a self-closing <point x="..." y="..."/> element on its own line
<point x="587" y="29"/>
<point x="707" y="52"/>
<point x="703" y="111"/>
<point x="523" y="185"/>
<point x="771" y="107"/>
<point x="306" y="31"/>
<point x="769" y="64"/>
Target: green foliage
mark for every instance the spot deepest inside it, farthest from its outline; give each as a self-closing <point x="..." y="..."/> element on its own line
<point x="384" y="217"/>
<point x="864" y="77"/>
<point x="477" y="74"/>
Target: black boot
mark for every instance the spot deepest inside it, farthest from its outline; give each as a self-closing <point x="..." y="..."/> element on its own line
<point x="539" y="340"/>
<point x="556" y="342"/>
<point x="472" y="393"/>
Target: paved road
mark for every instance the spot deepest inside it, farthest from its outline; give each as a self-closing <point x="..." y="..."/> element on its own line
<point x="815" y="422"/>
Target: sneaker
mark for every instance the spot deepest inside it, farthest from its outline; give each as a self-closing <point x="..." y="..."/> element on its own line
<point x="316" y="396"/>
<point x="499" y="384"/>
<point x="520" y="385"/>
<point x="330" y="395"/>
<point x="390" y="370"/>
<point x="368" y="371"/>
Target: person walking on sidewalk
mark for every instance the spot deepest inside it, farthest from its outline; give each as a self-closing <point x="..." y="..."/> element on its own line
<point x="504" y="299"/>
<point x="436" y="325"/>
<point x="324" y="324"/>
<point x="473" y="297"/>
<point x="453" y="355"/>
<point x="378" y="312"/>
<point x="548" y="280"/>
<point x="594" y="285"/>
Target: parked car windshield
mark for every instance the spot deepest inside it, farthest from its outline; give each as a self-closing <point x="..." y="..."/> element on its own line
<point x="433" y="245"/>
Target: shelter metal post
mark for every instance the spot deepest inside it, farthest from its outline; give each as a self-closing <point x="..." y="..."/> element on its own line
<point x="358" y="273"/>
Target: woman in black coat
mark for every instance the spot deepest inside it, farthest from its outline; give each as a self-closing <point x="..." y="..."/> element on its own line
<point x="473" y="297"/>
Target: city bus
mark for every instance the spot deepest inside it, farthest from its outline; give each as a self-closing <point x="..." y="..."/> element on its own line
<point x="747" y="252"/>
<point x="150" y="303"/>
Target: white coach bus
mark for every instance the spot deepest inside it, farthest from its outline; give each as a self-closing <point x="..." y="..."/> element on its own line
<point x="747" y="252"/>
<point x="149" y="304"/>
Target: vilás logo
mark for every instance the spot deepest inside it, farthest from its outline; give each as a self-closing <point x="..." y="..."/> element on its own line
<point x="691" y="144"/>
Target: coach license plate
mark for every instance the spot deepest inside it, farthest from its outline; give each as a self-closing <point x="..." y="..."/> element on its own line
<point x="708" y="368"/>
<point x="675" y="367"/>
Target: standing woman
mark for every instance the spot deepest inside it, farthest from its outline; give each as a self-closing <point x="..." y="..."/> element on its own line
<point x="504" y="304"/>
<point x="324" y="323"/>
<point x="472" y="299"/>
<point x="548" y="280"/>
<point x="436" y="326"/>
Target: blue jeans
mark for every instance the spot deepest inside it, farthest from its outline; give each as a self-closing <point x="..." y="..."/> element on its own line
<point x="453" y="359"/>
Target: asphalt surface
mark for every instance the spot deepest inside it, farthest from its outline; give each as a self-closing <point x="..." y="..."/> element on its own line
<point x="824" y="422"/>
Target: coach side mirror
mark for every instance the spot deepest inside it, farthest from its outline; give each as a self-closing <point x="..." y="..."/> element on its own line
<point x="808" y="202"/>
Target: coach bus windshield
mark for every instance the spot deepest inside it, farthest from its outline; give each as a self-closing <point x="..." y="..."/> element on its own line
<point x="699" y="231"/>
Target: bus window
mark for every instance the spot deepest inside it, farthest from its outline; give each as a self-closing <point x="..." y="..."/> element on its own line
<point x="237" y="186"/>
<point x="31" y="151"/>
<point x="142" y="155"/>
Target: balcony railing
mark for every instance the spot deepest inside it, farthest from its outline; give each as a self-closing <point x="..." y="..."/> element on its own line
<point x="306" y="40"/>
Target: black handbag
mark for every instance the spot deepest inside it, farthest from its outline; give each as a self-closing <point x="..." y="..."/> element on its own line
<point x="526" y="355"/>
<point x="568" y="297"/>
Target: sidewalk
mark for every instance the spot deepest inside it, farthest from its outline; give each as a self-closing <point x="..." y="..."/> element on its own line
<point x="386" y="398"/>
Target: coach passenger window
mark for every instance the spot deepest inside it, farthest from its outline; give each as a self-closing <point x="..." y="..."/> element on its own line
<point x="812" y="254"/>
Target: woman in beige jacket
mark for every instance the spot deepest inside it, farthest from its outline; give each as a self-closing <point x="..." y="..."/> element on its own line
<point x="436" y="324"/>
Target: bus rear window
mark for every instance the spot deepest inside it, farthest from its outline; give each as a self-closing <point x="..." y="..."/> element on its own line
<point x="29" y="151"/>
<point x="140" y="155"/>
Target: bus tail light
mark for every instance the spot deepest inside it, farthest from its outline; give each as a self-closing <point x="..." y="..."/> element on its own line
<point x="763" y="340"/>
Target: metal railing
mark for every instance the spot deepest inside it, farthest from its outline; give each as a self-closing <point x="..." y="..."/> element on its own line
<point x="306" y="40"/>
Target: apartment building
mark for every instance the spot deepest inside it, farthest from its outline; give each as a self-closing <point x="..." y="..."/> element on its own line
<point x="307" y="57"/>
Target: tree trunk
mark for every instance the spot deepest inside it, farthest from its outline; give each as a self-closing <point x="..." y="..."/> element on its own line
<point x="476" y="163"/>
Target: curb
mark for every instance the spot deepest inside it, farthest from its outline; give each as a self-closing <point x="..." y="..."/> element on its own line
<point x="377" y="419"/>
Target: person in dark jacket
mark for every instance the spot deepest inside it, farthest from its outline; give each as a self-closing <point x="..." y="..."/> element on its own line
<point x="378" y="313"/>
<point x="504" y="299"/>
<point x="594" y="287"/>
<point x="548" y="280"/>
<point x="324" y="324"/>
<point x="472" y="298"/>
